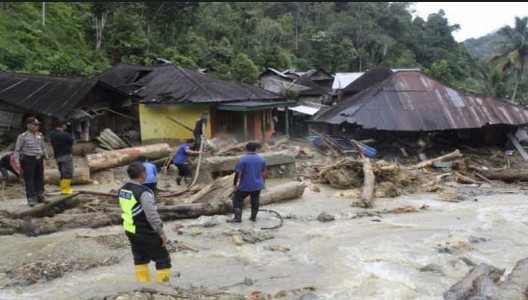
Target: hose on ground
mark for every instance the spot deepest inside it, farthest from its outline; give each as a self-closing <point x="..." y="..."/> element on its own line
<point x="278" y="215"/>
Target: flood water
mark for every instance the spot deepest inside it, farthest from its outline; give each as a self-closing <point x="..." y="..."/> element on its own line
<point x="377" y="257"/>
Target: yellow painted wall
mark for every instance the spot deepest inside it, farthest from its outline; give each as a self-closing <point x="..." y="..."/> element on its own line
<point x="156" y="127"/>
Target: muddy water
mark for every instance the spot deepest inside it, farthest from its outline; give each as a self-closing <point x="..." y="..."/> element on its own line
<point x="390" y="256"/>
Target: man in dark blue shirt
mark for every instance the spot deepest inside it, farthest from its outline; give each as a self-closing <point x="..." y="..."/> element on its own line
<point x="250" y="178"/>
<point x="181" y="160"/>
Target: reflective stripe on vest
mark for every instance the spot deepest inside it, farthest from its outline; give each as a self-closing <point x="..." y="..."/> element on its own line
<point x="127" y="201"/>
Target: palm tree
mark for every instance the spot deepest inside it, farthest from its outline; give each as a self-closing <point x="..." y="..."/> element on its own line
<point x="513" y="54"/>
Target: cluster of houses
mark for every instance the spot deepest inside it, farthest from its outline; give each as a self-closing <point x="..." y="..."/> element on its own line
<point x="147" y="99"/>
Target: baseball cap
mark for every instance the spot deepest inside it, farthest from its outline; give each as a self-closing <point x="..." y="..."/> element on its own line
<point x="32" y="120"/>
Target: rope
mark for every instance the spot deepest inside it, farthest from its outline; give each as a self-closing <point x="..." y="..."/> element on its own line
<point x="278" y="215"/>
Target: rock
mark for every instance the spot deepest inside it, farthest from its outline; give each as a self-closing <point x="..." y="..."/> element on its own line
<point x="432" y="268"/>
<point x="237" y="240"/>
<point x="280" y="294"/>
<point x="314" y="188"/>
<point x="324" y="217"/>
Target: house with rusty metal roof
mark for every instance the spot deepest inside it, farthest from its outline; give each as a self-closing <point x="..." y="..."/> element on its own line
<point x="45" y="97"/>
<point x="165" y="92"/>
<point x="410" y="101"/>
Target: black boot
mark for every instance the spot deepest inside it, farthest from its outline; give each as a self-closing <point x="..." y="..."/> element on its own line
<point x="178" y="180"/>
<point x="253" y="214"/>
<point x="237" y="218"/>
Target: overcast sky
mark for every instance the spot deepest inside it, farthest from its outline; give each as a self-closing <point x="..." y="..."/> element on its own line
<point x="475" y="19"/>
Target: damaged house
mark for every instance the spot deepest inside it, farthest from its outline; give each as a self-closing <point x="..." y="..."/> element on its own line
<point x="44" y="97"/>
<point x="312" y="90"/>
<point x="387" y="105"/>
<point x="86" y="103"/>
<point x="169" y="100"/>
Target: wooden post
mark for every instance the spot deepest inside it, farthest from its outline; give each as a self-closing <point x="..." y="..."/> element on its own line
<point x="286" y="119"/>
<point x="264" y="112"/>
<point x="245" y="126"/>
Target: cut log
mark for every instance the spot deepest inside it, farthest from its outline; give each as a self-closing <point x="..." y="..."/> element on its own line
<point x="368" y="183"/>
<point x="515" y="287"/>
<point x="117" y="158"/>
<point x="465" y="288"/>
<point x="429" y="162"/>
<point x="80" y="176"/>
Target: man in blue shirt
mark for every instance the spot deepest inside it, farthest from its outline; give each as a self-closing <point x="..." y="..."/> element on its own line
<point x="250" y="178"/>
<point x="152" y="174"/>
<point x="181" y="160"/>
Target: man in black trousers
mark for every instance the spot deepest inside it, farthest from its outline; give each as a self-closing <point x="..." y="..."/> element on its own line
<point x="30" y="153"/>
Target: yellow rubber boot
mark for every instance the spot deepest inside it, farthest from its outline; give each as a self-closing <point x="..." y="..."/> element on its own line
<point x="163" y="275"/>
<point x="65" y="187"/>
<point x="142" y="273"/>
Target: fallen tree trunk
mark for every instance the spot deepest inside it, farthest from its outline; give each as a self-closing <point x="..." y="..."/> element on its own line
<point x="516" y="285"/>
<point x="43" y="210"/>
<point x="429" y="162"/>
<point x="368" y="183"/>
<point x="117" y="158"/>
<point x="80" y="176"/>
<point x="507" y="175"/>
<point x="466" y="287"/>
<point x="112" y="216"/>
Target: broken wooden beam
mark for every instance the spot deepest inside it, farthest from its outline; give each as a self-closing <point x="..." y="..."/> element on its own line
<point x="429" y="162"/>
<point x="518" y="146"/>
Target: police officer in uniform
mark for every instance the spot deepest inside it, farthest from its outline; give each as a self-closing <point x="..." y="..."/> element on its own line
<point x="143" y="226"/>
<point x="30" y="152"/>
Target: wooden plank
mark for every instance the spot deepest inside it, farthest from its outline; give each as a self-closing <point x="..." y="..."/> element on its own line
<point x="518" y="146"/>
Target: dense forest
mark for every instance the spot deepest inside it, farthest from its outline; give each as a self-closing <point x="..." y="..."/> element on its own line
<point x="237" y="40"/>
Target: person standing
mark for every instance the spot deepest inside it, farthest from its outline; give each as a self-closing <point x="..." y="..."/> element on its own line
<point x="250" y="179"/>
<point x="30" y="153"/>
<point x="200" y="129"/>
<point x="143" y="226"/>
<point x="62" y="143"/>
<point x="152" y="174"/>
<point x="181" y="160"/>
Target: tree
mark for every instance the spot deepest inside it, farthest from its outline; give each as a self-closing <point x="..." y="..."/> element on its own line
<point x="244" y="69"/>
<point x="513" y="54"/>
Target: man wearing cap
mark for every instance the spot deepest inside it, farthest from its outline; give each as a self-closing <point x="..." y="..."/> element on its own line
<point x="62" y="143"/>
<point x="30" y="152"/>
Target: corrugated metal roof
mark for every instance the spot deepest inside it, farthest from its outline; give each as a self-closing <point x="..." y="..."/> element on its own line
<point x="52" y="96"/>
<point x="167" y="83"/>
<point x="307" y="110"/>
<point x="341" y="80"/>
<point x="315" y="89"/>
<point x="412" y="101"/>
